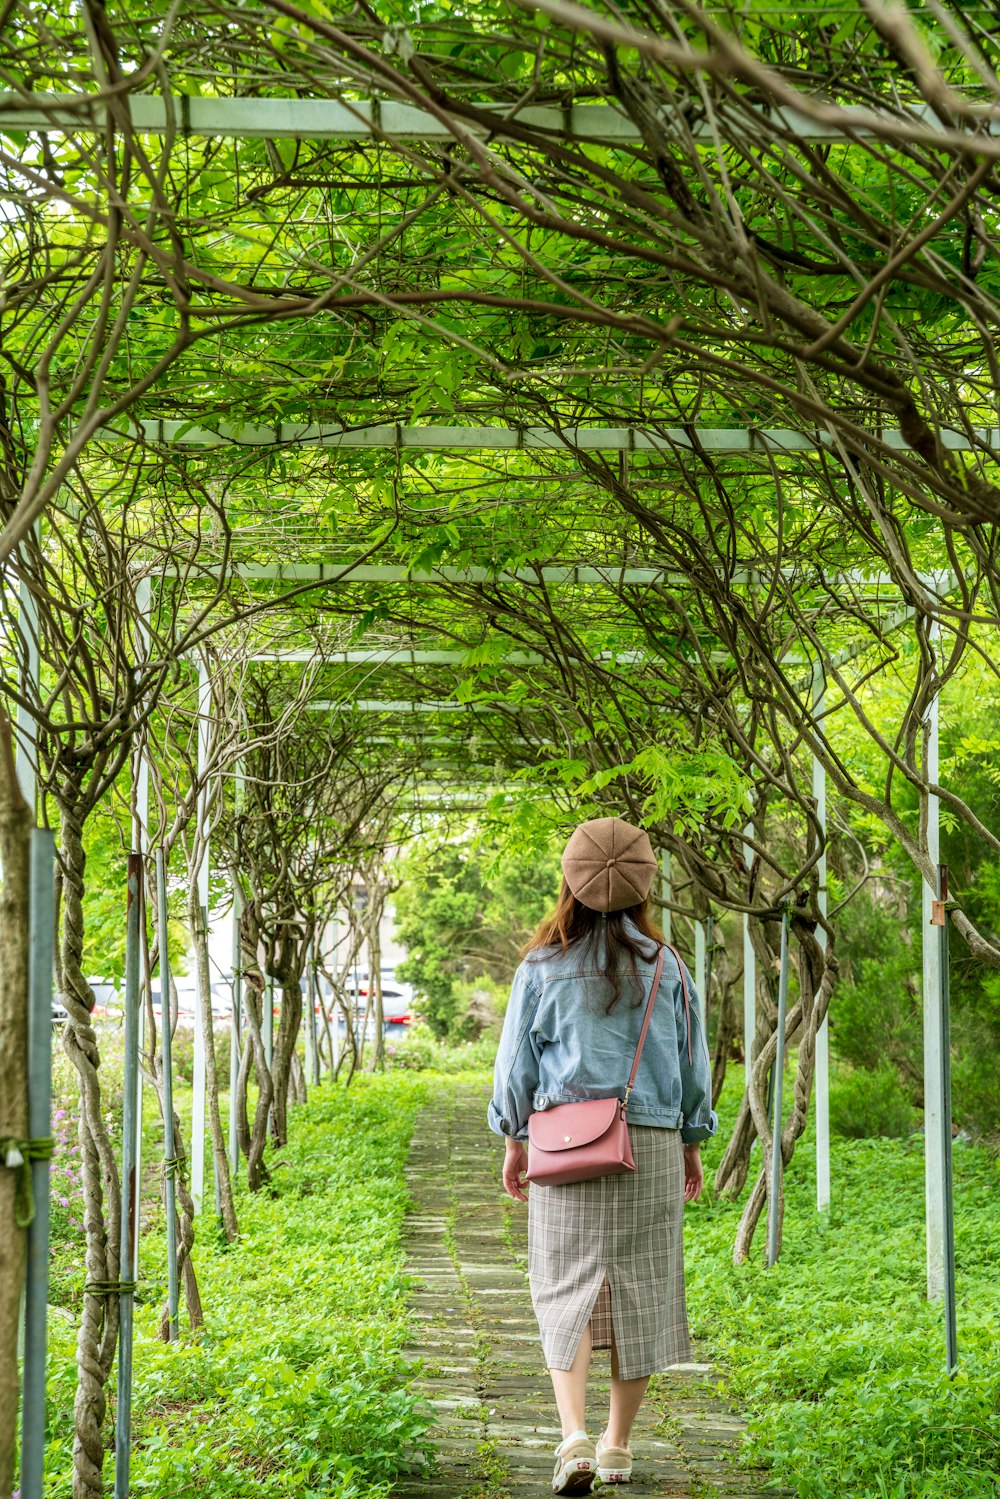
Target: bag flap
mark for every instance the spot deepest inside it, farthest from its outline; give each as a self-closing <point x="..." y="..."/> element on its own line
<point x="571" y="1124"/>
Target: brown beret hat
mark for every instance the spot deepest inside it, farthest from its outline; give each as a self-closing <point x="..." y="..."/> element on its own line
<point x="609" y="865"/>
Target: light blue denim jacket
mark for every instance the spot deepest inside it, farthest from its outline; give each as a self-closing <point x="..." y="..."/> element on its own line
<point x="559" y="1046"/>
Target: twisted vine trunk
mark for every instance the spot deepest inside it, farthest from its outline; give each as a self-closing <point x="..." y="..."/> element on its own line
<point x="98" y="1332"/>
<point x="288" y="971"/>
<point x="15" y="829"/>
<point x="817" y="978"/>
<point x="253" y="1139"/>
<point x="199" y="935"/>
<point x="733" y="1169"/>
<point x="153" y="1060"/>
<point x="726" y="1029"/>
<point x="297" y="1088"/>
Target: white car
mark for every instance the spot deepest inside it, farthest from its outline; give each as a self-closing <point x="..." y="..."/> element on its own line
<point x="397" y="1000"/>
<point x="109" y="999"/>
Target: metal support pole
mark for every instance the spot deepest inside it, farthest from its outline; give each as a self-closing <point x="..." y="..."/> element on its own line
<point x="36" y="1292"/>
<point x="822" y="1078"/>
<point x="335" y="970"/>
<point x="235" y="1035"/>
<point x="26" y="747"/>
<point x="701" y="966"/>
<point x="129" y="1184"/>
<point x="269" y="1029"/>
<point x="934" y="1103"/>
<point x="269" y="1020"/>
<point x="170" y="1163"/>
<point x="779" y="1077"/>
<point x="140" y="826"/>
<point x="200" y="1040"/>
<point x="307" y="1032"/>
<point x="311" y="988"/>
<point x="749" y="977"/>
<point x="940" y="920"/>
<point x="666" y="889"/>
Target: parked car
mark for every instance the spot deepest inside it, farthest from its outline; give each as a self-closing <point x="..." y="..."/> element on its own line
<point x="109" y="999"/>
<point x="397" y="1000"/>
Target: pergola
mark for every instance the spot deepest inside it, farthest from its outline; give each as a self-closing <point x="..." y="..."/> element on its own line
<point x="706" y="431"/>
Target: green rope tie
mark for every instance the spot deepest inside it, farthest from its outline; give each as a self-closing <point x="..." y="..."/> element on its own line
<point x="17" y="1156"/>
<point x="171" y="1166"/>
<point x="109" y="1287"/>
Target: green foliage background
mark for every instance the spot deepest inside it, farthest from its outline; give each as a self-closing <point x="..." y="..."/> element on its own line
<point x="463" y="914"/>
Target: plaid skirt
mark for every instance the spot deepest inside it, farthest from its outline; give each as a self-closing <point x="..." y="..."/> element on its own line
<point x="610" y="1252"/>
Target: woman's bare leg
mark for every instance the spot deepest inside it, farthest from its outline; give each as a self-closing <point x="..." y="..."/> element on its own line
<point x="626" y="1398"/>
<point x="570" y="1386"/>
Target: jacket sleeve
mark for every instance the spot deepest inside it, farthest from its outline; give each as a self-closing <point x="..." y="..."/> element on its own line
<point x="515" y="1076"/>
<point x="699" y="1118"/>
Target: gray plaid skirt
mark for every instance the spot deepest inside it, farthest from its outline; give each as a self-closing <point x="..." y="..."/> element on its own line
<point x="610" y="1252"/>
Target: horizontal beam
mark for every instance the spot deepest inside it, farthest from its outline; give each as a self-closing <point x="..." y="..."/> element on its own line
<point x="388" y="657"/>
<point x="460" y="803"/>
<point x="566" y="574"/>
<point x="717" y="440"/>
<point x="391" y="705"/>
<point x="445" y="785"/>
<point x="406" y="657"/>
<point x="348" y="572"/>
<point x="365" y="120"/>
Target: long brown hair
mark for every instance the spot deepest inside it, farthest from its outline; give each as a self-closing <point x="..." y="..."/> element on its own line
<point x="573" y="922"/>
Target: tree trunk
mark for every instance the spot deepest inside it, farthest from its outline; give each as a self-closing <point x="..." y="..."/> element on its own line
<point x="253" y="1140"/>
<point x="97" y="1336"/>
<point x="817" y="977"/>
<point x="15" y="830"/>
<point x="297" y="1080"/>
<point x="731" y="1175"/>
<point x="285" y="1042"/>
<point x="153" y="1061"/>
<point x="199" y="933"/>
<point x="726" y="1026"/>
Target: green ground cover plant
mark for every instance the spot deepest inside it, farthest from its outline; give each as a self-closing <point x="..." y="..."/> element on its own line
<point x="835" y="1354"/>
<point x="296" y="1385"/>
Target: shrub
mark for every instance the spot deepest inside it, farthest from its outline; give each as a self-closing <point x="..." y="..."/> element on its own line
<point x="870" y="1101"/>
<point x="419" y="1050"/>
<point x="182" y="1053"/>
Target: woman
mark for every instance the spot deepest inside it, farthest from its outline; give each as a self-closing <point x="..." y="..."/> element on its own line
<point x="605" y="1257"/>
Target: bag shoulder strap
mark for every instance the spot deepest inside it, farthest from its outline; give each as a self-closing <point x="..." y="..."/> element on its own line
<point x="645" y="1025"/>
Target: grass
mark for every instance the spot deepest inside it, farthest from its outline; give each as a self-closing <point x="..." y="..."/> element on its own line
<point x="835" y="1354"/>
<point x="296" y="1385"/>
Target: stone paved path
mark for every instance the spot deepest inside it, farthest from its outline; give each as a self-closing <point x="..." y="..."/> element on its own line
<point x="479" y="1351"/>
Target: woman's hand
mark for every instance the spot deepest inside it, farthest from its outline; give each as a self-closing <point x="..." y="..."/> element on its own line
<point x="694" y="1176"/>
<point x="515" y="1164"/>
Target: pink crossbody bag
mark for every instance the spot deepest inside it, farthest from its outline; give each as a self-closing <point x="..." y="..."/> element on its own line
<point x="577" y="1142"/>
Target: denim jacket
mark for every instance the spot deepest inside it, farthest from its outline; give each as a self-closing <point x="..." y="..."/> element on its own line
<point x="559" y="1046"/>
